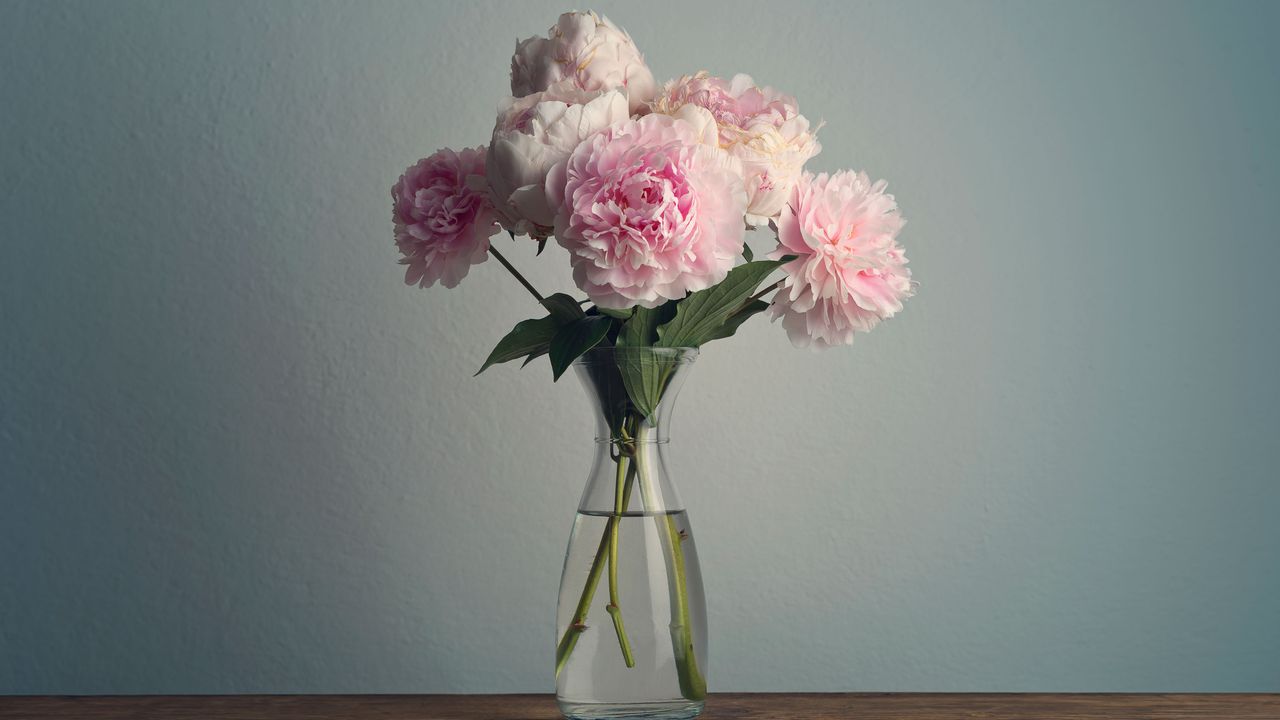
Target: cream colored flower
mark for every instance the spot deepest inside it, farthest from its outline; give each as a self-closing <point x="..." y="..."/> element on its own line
<point x="532" y="134"/>
<point x="760" y="126"/>
<point x="585" y="51"/>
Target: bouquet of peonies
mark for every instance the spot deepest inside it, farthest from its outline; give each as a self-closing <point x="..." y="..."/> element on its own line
<point x="651" y="190"/>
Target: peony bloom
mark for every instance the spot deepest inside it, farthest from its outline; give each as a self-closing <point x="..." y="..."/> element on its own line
<point x="586" y="51"/>
<point x="534" y="133"/>
<point x="760" y="126"/>
<point x="444" y="217"/>
<point x="649" y="210"/>
<point x="849" y="273"/>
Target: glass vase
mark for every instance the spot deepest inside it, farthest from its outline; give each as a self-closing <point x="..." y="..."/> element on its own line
<point x="631" y="625"/>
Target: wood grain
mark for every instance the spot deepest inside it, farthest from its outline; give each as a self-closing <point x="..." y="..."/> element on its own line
<point x="783" y="706"/>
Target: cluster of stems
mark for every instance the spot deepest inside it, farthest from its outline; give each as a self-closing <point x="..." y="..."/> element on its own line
<point x="632" y="468"/>
<point x="631" y="458"/>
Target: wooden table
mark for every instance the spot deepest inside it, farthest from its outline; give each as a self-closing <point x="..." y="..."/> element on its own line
<point x="732" y="706"/>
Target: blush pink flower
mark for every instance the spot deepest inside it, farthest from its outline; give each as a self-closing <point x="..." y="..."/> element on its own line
<point x="649" y="210"/>
<point x="586" y="51"/>
<point x="760" y="126"/>
<point x="443" y="217"/>
<point x="849" y="272"/>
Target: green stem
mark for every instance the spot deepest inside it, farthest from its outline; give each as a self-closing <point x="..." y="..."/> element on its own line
<point x="692" y="685"/>
<point x="766" y="291"/>
<point x="770" y="288"/>
<point x="615" y="611"/>
<point x="512" y="269"/>
<point x="578" y="623"/>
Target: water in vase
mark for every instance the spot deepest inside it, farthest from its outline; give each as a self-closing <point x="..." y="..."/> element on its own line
<point x="660" y="610"/>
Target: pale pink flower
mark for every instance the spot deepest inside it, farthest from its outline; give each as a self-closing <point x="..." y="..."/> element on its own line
<point x="760" y="126"/>
<point x="586" y="51"/>
<point x="849" y="272"/>
<point x="649" y="210"/>
<point x="443" y="217"/>
<point x="533" y="133"/>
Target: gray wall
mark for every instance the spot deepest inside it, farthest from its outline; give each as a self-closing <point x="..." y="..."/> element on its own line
<point x="239" y="455"/>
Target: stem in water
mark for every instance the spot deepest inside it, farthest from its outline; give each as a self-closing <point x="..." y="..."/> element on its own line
<point x="692" y="685"/>
<point x="578" y="624"/>
<point x="615" y="611"/>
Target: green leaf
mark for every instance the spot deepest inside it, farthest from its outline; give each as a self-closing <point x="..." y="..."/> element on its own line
<point x="732" y="323"/>
<point x="643" y="374"/>
<point x="746" y="252"/>
<point x="642" y="329"/>
<point x="562" y="307"/>
<point x="528" y="337"/>
<point x="619" y="314"/>
<point x="700" y="315"/>
<point x="575" y="339"/>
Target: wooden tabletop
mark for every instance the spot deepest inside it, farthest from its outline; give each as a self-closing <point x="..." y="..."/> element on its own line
<point x="732" y="706"/>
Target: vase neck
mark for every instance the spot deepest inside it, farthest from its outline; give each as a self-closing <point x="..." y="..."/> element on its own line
<point x="632" y="393"/>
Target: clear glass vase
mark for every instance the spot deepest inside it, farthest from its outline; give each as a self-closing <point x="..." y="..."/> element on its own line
<point x="631" y="625"/>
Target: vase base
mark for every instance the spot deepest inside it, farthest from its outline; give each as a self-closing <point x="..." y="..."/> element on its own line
<point x="677" y="710"/>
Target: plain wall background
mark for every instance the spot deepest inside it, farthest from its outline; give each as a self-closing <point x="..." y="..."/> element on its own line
<point x="238" y="454"/>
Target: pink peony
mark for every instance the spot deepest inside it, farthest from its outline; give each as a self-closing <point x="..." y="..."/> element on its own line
<point x="443" y="216"/>
<point x="649" y="210"/>
<point x="533" y="133"/>
<point x="849" y="273"/>
<point x="586" y="51"/>
<point x="760" y="126"/>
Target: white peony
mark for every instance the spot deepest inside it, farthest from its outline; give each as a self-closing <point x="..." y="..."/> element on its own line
<point x="585" y="51"/>
<point x="532" y="134"/>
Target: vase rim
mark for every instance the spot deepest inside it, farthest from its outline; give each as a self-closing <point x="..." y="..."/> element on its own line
<point x="607" y="354"/>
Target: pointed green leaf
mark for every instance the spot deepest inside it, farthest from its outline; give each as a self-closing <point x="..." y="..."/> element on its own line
<point x="535" y="355"/>
<point x="731" y="324"/>
<point x="526" y="338"/>
<point x="642" y="375"/>
<point x="700" y="315"/>
<point x="576" y="338"/>
<point x="642" y="329"/>
<point x="746" y="253"/>
<point x="562" y="307"/>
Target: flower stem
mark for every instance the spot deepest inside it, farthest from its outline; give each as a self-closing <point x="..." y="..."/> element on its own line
<point x="512" y="269"/>
<point x="692" y="685"/>
<point x="766" y="291"/>
<point x="771" y="287"/>
<point x="578" y="623"/>
<point x="615" y="611"/>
